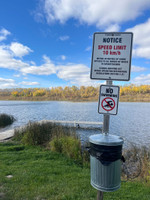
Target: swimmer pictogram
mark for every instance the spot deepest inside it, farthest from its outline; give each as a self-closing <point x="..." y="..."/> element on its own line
<point x="108" y="104"/>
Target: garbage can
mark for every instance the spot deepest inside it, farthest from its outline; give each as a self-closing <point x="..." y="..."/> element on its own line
<point x="105" y="160"/>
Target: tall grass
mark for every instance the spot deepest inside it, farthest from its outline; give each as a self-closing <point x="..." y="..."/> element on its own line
<point x="6" y="120"/>
<point x="64" y="140"/>
<point x="41" y="133"/>
<point x="67" y="145"/>
<point x="57" y="138"/>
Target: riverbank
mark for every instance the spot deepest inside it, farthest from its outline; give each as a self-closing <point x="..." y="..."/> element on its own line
<point x="135" y="98"/>
<point x="36" y="173"/>
<point x="123" y="98"/>
<point x="130" y="93"/>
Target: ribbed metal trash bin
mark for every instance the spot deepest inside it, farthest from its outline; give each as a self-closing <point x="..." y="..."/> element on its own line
<point x="105" y="161"/>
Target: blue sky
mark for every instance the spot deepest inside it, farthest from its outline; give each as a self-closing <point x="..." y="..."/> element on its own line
<point x="48" y="43"/>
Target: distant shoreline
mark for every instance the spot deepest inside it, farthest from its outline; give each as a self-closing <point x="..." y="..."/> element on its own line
<point x="124" y="98"/>
<point x="130" y="93"/>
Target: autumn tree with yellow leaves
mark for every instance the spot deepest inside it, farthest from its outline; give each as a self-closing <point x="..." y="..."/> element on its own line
<point x="89" y="93"/>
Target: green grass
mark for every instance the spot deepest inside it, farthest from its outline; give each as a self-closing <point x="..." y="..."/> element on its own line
<point x="40" y="174"/>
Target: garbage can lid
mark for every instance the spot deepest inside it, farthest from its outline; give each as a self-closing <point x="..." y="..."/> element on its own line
<point x="107" y="140"/>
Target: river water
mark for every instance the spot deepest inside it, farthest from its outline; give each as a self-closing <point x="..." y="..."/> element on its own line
<point x="132" y="121"/>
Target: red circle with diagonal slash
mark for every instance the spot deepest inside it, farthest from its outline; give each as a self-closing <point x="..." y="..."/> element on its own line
<point x="106" y="101"/>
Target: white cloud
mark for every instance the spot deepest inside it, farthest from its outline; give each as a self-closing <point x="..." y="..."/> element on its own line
<point x="63" y="57"/>
<point x="84" y="80"/>
<point x="101" y="13"/>
<point x="142" y="52"/>
<point x="38" y="16"/>
<point x="137" y="69"/>
<point x="8" y="61"/>
<point x="7" y="83"/>
<point x="63" y="38"/>
<point x="141" y="39"/>
<point x="46" y="69"/>
<point x="3" y="34"/>
<point x="19" y="50"/>
<point x="77" y="74"/>
<point x="142" y="80"/>
<point x="113" y="28"/>
<point x="29" y="83"/>
<point x="3" y="80"/>
<point x="32" y="63"/>
<point x="88" y="48"/>
<point x="17" y="75"/>
<point x="72" y="71"/>
<point x="90" y="37"/>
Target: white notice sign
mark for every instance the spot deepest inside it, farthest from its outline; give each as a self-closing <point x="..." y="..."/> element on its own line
<point x="111" y="56"/>
<point x="108" y="99"/>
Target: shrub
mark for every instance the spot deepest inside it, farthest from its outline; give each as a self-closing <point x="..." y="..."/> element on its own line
<point x="41" y="133"/>
<point x="67" y="145"/>
<point x="34" y="134"/>
<point x="6" y="120"/>
<point x="62" y="139"/>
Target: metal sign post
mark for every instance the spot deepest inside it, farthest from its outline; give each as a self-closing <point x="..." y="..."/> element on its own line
<point x="99" y="195"/>
<point x="111" y="61"/>
<point x="106" y="117"/>
<point x="105" y="131"/>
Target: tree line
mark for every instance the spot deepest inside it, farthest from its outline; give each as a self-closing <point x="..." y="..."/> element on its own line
<point x="68" y="93"/>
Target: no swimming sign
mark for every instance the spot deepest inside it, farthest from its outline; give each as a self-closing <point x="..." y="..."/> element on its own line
<point x="108" y="99"/>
